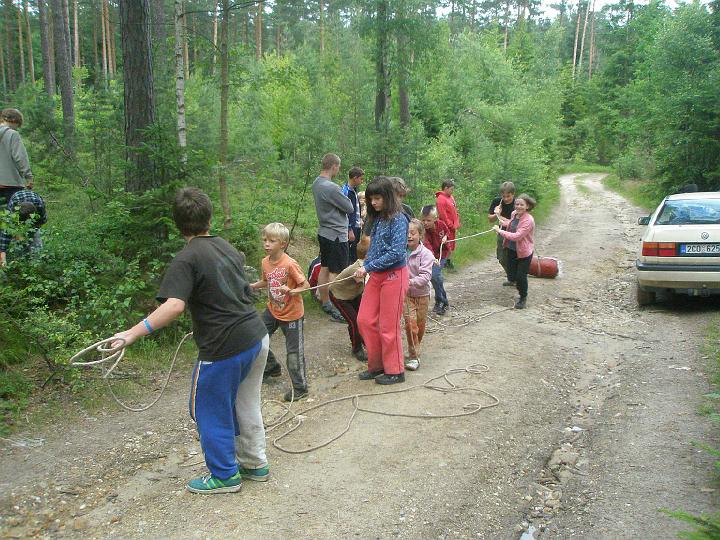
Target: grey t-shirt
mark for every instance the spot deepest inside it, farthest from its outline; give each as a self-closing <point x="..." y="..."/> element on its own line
<point x="208" y="275"/>
<point x="332" y="208"/>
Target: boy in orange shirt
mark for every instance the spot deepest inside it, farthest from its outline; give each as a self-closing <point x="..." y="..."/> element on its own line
<point x="285" y="282"/>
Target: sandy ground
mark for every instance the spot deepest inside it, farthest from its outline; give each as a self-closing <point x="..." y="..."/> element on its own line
<point x="598" y="406"/>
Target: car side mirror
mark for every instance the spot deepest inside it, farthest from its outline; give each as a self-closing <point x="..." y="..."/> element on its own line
<point x="645" y="220"/>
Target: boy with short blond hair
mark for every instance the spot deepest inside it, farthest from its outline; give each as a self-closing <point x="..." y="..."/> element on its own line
<point x="285" y="282"/>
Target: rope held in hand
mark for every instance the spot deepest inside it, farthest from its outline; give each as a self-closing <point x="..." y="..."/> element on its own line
<point x="446" y="241"/>
<point x="115" y="354"/>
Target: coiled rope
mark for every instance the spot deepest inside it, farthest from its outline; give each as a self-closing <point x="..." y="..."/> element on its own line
<point x="468" y="409"/>
<point x="115" y="354"/>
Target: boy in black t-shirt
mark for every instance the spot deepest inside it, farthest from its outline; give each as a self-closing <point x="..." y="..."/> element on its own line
<point x="207" y="276"/>
<point x="506" y="201"/>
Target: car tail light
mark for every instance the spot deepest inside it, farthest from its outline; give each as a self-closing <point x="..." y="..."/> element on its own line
<point x="659" y="249"/>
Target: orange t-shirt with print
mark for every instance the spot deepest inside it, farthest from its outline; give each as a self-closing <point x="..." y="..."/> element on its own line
<point x="286" y="271"/>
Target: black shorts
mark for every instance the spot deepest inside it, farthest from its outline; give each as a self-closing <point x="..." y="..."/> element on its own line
<point x="334" y="254"/>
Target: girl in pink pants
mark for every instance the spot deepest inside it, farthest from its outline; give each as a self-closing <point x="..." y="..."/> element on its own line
<point x="382" y="302"/>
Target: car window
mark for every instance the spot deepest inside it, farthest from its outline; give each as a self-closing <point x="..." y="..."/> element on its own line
<point x="690" y="212"/>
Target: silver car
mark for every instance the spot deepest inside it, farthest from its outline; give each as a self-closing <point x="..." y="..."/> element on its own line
<point x="680" y="248"/>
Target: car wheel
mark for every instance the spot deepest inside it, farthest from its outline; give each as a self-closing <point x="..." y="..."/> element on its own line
<point x="644" y="298"/>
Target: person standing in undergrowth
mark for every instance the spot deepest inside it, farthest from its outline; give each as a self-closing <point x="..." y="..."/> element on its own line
<point x="436" y="234"/>
<point x="420" y="266"/>
<point x="346" y="295"/>
<point x="519" y="239"/>
<point x="15" y="173"/>
<point x="207" y="276"/>
<point x="332" y="208"/>
<point x="32" y="215"/>
<point x="285" y="282"/>
<point x="382" y="302"/>
<point x="356" y="176"/>
<point x="506" y="203"/>
<point x="447" y="212"/>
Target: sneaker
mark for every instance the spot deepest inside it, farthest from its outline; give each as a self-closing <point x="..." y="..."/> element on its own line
<point x="361" y="355"/>
<point x="508" y="283"/>
<point x="436" y="309"/>
<point x="521" y="303"/>
<point x="297" y="395"/>
<point x="367" y="375"/>
<point x="210" y="485"/>
<point x="335" y="316"/>
<point x="441" y="310"/>
<point x="411" y="364"/>
<point x="328" y="307"/>
<point x="261" y="474"/>
<point x="390" y="379"/>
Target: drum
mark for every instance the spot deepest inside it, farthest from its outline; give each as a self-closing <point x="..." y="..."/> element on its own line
<point x="544" y="267"/>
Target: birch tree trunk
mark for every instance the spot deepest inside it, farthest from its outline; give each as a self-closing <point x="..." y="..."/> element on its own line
<point x="110" y="32"/>
<point x="577" y="35"/>
<point x="76" y="36"/>
<point x="28" y="36"/>
<point x="582" y="41"/>
<point x="215" y="38"/>
<point x="103" y="36"/>
<point x="180" y="82"/>
<point x="186" y="48"/>
<point x="47" y="57"/>
<point x="591" y="55"/>
<point x="224" y="97"/>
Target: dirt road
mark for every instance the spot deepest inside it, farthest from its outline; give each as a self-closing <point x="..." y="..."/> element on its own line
<point x="598" y="407"/>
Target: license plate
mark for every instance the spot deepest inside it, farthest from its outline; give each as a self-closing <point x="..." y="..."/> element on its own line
<point x="700" y="249"/>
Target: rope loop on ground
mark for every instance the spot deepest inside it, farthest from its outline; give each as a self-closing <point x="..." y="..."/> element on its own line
<point x="296" y="419"/>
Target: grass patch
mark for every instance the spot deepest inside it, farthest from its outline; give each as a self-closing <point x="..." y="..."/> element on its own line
<point x="575" y="167"/>
<point x="640" y="192"/>
<point x="707" y="527"/>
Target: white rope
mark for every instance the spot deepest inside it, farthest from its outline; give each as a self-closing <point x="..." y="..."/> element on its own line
<point x="328" y="283"/>
<point x="446" y="241"/>
<point x="115" y="354"/>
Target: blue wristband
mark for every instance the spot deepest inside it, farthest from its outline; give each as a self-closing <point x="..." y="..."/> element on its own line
<point x="147" y="325"/>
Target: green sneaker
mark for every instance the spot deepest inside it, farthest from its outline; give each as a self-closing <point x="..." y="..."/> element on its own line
<point x="209" y="485"/>
<point x="261" y="474"/>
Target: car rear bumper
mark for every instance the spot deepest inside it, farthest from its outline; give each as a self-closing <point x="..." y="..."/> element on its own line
<point x="701" y="278"/>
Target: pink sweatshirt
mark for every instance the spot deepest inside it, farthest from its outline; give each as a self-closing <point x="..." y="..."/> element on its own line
<point x="420" y="263"/>
<point x="523" y="237"/>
